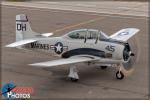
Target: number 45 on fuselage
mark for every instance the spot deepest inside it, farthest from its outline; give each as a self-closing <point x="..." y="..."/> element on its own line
<point x="89" y="46"/>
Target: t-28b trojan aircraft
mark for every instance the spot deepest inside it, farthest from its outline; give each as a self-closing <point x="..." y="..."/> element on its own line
<point x="89" y="46"/>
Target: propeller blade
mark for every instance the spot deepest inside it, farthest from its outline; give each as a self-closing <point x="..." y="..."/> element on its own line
<point x="132" y="54"/>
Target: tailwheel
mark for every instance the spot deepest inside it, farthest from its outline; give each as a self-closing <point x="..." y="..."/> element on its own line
<point x="119" y="75"/>
<point x="103" y="67"/>
<point x="73" y="79"/>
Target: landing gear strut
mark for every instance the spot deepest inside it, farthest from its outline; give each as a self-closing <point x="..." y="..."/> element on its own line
<point x="73" y="74"/>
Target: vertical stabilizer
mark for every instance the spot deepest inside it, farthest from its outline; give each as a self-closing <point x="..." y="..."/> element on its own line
<point x="23" y="29"/>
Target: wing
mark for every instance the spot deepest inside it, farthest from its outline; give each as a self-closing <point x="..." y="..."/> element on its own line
<point x="124" y="34"/>
<point x="75" y="59"/>
<point x="71" y="60"/>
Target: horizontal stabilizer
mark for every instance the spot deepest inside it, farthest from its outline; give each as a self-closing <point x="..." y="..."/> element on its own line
<point x="22" y="42"/>
<point x="47" y="34"/>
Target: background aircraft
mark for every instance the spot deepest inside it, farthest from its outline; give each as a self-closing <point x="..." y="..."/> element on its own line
<point x="89" y="46"/>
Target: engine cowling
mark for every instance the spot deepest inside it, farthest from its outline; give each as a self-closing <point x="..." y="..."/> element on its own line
<point x="127" y="53"/>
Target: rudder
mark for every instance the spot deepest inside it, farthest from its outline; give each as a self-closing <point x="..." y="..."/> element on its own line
<point x="23" y="29"/>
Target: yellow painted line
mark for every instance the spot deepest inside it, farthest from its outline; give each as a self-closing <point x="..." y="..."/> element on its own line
<point x="79" y="24"/>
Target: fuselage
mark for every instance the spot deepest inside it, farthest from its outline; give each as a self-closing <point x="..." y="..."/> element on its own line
<point x="82" y="42"/>
<point x="67" y="47"/>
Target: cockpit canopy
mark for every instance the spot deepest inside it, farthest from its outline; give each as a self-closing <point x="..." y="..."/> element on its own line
<point x="83" y="33"/>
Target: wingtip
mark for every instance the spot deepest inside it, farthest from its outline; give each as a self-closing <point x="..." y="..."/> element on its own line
<point x="31" y="64"/>
<point x="136" y="29"/>
<point x="37" y="65"/>
<point x="8" y="46"/>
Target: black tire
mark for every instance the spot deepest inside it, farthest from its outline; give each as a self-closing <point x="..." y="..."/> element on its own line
<point x="103" y="67"/>
<point x="119" y="75"/>
<point x="74" y="79"/>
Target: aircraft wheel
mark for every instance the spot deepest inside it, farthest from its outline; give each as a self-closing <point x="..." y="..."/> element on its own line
<point x="103" y="67"/>
<point x="119" y="75"/>
<point x="74" y="79"/>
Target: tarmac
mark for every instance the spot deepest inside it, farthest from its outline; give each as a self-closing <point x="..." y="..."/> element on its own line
<point x="102" y="7"/>
<point x="94" y="83"/>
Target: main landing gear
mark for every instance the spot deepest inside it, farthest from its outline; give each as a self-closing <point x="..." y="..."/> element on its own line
<point x="73" y="74"/>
